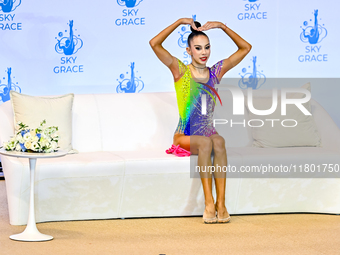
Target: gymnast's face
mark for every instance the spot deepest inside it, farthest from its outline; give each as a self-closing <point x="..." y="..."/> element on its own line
<point x="199" y="49"/>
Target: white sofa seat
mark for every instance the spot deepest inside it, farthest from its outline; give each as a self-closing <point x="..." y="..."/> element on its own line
<point x="122" y="169"/>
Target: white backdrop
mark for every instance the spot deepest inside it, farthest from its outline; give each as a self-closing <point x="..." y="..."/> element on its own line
<point x="110" y="48"/>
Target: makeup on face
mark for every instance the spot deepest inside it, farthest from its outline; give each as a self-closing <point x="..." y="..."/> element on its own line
<point x="200" y="49"/>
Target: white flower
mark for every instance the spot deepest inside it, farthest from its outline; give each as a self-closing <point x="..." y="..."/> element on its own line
<point x="11" y="145"/>
<point x="54" y="145"/>
<point x="35" y="139"/>
<point x="44" y="142"/>
<point x="19" y="138"/>
<point x="18" y="147"/>
<point x="27" y="137"/>
<point x="43" y="135"/>
<point x="49" y="150"/>
<point x="28" y="145"/>
<point x="34" y="146"/>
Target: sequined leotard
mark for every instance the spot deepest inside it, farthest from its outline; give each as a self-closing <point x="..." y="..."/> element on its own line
<point x="189" y="94"/>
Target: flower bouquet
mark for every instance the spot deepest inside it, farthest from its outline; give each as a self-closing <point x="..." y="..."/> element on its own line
<point x="42" y="139"/>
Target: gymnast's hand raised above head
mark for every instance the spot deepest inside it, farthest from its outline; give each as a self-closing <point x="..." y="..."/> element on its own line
<point x="189" y="21"/>
<point x="211" y="25"/>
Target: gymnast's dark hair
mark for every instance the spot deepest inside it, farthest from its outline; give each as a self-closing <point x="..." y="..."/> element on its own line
<point x="195" y="33"/>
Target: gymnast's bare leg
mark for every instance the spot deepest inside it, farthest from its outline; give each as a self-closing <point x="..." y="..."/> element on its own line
<point x="220" y="159"/>
<point x="201" y="146"/>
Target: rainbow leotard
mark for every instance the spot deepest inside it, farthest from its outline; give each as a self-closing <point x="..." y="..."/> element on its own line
<point x="191" y="119"/>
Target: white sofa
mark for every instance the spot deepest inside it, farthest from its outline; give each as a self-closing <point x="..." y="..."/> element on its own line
<point x="122" y="169"/>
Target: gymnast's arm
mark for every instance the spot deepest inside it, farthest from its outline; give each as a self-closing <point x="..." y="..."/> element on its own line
<point x="163" y="55"/>
<point x="243" y="46"/>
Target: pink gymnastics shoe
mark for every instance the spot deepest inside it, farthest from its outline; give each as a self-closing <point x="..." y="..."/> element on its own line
<point x="178" y="151"/>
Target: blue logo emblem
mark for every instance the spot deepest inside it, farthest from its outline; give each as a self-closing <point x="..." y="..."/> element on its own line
<point x="6" y="88"/>
<point x="253" y="79"/>
<point x="7" y="6"/>
<point x="69" y="44"/>
<point x="184" y="34"/>
<point x="183" y="40"/>
<point x="129" y="3"/>
<point x="315" y="33"/>
<point x="130" y="85"/>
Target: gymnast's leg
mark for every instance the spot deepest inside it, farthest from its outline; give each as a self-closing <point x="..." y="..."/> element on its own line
<point x="201" y="146"/>
<point x="220" y="159"/>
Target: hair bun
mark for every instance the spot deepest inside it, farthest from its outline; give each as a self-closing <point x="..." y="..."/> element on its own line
<point x="197" y="24"/>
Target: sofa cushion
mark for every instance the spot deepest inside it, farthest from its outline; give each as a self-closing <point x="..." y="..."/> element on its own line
<point x="86" y="135"/>
<point x="133" y="122"/>
<point x="275" y="134"/>
<point x="57" y="111"/>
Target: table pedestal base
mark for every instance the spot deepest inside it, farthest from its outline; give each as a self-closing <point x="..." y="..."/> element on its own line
<point x="31" y="236"/>
<point x="31" y="233"/>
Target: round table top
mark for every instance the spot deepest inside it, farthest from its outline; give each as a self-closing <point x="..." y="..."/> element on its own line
<point x="20" y="154"/>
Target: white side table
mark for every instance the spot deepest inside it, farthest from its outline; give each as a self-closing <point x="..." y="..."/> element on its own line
<point x="31" y="233"/>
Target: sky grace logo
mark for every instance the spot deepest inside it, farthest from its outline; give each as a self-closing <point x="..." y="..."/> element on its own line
<point x="131" y="15"/>
<point x="68" y="44"/>
<point x="7" y="16"/>
<point x="253" y="10"/>
<point x="313" y="33"/>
